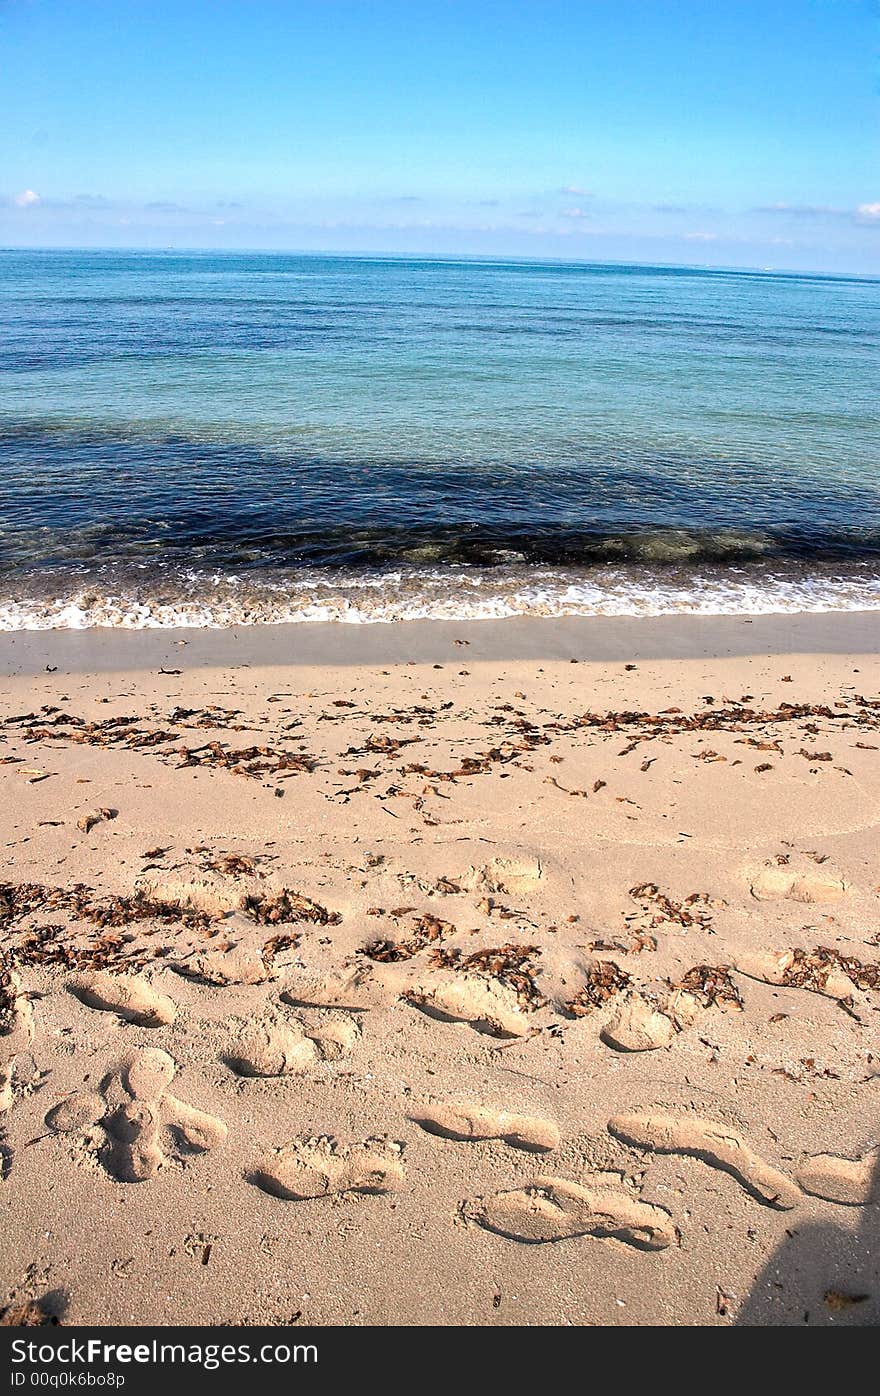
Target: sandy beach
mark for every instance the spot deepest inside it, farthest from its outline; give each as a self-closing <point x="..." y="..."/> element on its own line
<point x="447" y="973"/>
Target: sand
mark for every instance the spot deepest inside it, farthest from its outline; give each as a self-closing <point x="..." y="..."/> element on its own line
<point x="490" y="973"/>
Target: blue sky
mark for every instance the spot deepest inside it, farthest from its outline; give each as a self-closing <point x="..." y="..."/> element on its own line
<point x="722" y="132"/>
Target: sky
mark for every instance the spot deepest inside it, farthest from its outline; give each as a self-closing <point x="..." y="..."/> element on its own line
<point x="711" y="132"/>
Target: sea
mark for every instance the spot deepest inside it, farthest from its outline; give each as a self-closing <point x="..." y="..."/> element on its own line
<point x="205" y="439"/>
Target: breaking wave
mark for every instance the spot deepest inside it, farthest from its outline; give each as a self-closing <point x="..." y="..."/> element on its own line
<point x="199" y="600"/>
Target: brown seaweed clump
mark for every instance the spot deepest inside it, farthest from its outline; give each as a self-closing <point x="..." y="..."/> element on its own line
<point x="508" y="964"/>
<point x="427" y="930"/>
<point x="711" y="984"/>
<point x="288" y="906"/>
<point x="693" y="911"/>
<point x="603" y="981"/>
<point x="810" y="969"/>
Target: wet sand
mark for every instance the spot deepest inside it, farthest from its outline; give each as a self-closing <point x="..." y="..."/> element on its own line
<point x="594" y="638"/>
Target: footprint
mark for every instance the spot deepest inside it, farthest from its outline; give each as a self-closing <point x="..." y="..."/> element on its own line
<point x="638" y="1026"/>
<point x="507" y="876"/>
<point x="306" y="1169"/>
<point x="239" y="957"/>
<point x="75" y="1113"/>
<point x="797" y="885"/>
<point x="470" y="1122"/>
<point x="716" y="1145"/>
<point x="554" y="1209"/>
<point x="16" y="1031"/>
<point x="210" y="894"/>
<point x="272" y="1048"/>
<point x="224" y="895"/>
<point x="852" y="1182"/>
<point x="795" y="969"/>
<point x="488" y="1005"/>
<point x="275" y="1047"/>
<point x="133" y="998"/>
<point x="352" y="987"/>
<point x="135" y="1122"/>
<point x="335" y="1037"/>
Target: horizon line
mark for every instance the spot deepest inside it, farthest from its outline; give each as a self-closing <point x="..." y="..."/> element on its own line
<point x="480" y="257"/>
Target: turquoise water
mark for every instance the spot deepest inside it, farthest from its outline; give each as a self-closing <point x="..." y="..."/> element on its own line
<point x="210" y="438"/>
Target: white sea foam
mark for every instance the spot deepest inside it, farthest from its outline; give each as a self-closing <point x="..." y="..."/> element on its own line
<point x="439" y="594"/>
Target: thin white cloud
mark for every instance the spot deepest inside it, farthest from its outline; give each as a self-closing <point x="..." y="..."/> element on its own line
<point x="803" y="210"/>
<point x="27" y="198"/>
<point x="701" y="237"/>
<point x="867" y="213"/>
<point x="574" y="213"/>
<point x="576" y="191"/>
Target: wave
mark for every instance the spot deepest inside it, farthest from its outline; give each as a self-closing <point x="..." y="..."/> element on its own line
<point x="203" y="601"/>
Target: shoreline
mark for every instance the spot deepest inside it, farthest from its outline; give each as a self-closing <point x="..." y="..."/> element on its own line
<point x="588" y="639"/>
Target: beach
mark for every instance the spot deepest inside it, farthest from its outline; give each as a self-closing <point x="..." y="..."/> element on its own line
<point x="439" y="681"/>
<point x="451" y="972"/>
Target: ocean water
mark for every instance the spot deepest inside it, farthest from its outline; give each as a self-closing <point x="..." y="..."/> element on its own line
<point x="207" y="439"/>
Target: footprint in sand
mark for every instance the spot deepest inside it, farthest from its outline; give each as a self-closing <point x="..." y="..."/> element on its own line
<point x="643" y="1020"/>
<point x="241" y="956"/>
<point x="554" y="1209"/>
<point x="136" y="1125"/>
<point x="851" y="1182"/>
<point x="272" y="1047"/>
<point x="128" y="995"/>
<point x="472" y="1122"/>
<point x="505" y="876"/>
<point x="638" y="1026"/>
<point x="784" y="883"/>
<point x="16" y="1031"/>
<point x="336" y="1037"/>
<point x="489" y="1006"/>
<point x="796" y="969"/>
<point x="275" y="1046"/>
<point x="211" y="894"/>
<point x="714" y="1144"/>
<point x="352" y="988"/>
<point x="306" y="1169"/>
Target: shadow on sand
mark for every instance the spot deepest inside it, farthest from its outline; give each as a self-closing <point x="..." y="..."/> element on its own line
<point x="822" y="1274"/>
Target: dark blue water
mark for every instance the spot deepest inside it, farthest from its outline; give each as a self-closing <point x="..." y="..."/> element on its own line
<point x="209" y="438"/>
